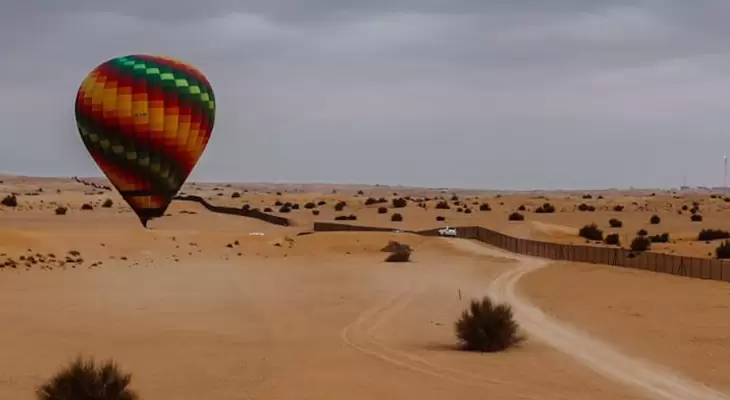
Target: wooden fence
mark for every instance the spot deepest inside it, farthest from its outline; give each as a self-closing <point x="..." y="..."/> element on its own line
<point x="692" y="267"/>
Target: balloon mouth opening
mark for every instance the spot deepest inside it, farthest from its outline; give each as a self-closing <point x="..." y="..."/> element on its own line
<point x="145" y="215"/>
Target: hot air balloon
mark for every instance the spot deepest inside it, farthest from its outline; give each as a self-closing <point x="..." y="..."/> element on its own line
<point x="145" y="120"/>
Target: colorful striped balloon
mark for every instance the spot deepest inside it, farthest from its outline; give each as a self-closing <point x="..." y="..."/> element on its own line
<point x="146" y="121"/>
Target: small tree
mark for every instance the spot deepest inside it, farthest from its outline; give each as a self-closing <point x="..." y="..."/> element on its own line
<point x="655" y="219"/>
<point x="487" y="327"/>
<point x="723" y="250"/>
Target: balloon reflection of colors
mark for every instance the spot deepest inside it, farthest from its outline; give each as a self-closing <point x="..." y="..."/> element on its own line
<point x="145" y="120"/>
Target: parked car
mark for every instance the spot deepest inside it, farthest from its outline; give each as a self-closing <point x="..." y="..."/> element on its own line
<point x="447" y="231"/>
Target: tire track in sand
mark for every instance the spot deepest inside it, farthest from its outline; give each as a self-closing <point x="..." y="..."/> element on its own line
<point x="658" y="382"/>
<point x="360" y="335"/>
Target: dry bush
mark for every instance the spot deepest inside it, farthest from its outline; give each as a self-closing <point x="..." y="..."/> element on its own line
<point x="442" y="205"/>
<point x="585" y="207"/>
<point x="521" y="208"/>
<point x="315" y="212"/>
<point x="396" y="217"/>
<point x="235" y="195"/>
<point x="615" y="223"/>
<point x="309" y="205"/>
<point x="612" y="239"/>
<point x="340" y="206"/>
<point x="618" y="208"/>
<point x="370" y="201"/>
<point x="268" y="209"/>
<point x="382" y="210"/>
<point x="663" y="238"/>
<point x="285" y="209"/>
<point x="515" y="216"/>
<point x="655" y="219"/>
<point x="696" y="218"/>
<point x="87" y="207"/>
<point x="83" y="380"/>
<point x="642" y="232"/>
<point x="546" y="208"/>
<point x="712" y="234"/>
<point x="487" y="327"/>
<point x="440" y="218"/>
<point x="399" y="202"/>
<point x="108" y="203"/>
<point x="9" y="201"/>
<point x="485" y="207"/>
<point x="591" y="232"/>
<point x="60" y="210"/>
<point x="723" y="250"/>
<point x="641" y="243"/>
<point x="398" y="252"/>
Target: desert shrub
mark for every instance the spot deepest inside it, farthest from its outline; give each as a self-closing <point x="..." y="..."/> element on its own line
<point x="723" y="250"/>
<point x="268" y="209"/>
<point x="310" y="205"/>
<point x="278" y="203"/>
<point x="360" y="192"/>
<point x="341" y="218"/>
<point x="612" y="239"/>
<point x="442" y="205"/>
<point x="600" y="197"/>
<point x="696" y="218"/>
<point x="352" y="217"/>
<point x="467" y="211"/>
<point x="321" y="203"/>
<point x="60" y="210"/>
<point x="235" y="195"/>
<point x="108" y="203"/>
<point x="642" y="232"/>
<point x="454" y="197"/>
<point x="84" y="380"/>
<point x="285" y="209"/>
<point x="641" y="243"/>
<point x="585" y="207"/>
<point x="663" y="238"/>
<point x="712" y="234"/>
<point x="587" y="196"/>
<point x="396" y="217"/>
<point x="340" y="206"/>
<point x="694" y="210"/>
<point x="400" y="255"/>
<point x="295" y="206"/>
<point x="515" y="216"/>
<point x="315" y="212"/>
<point x="87" y="207"/>
<point x="615" y="223"/>
<point x="487" y="327"/>
<point x="654" y="220"/>
<point x="399" y="202"/>
<point x="485" y="207"/>
<point x="591" y="232"/>
<point x="370" y="201"/>
<point x="618" y="208"/>
<point x="382" y="210"/>
<point x="684" y="207"/>
<point x="246" y="207"/>
<point x="10" y="201"/>
<point x="546" y="208"/>
<point x="440" y="218"/>
<point x="459" y="210"/>
<point x="521" y="208"/>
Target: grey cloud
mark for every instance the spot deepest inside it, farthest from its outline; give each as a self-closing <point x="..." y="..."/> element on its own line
<point x="516" y="92"/>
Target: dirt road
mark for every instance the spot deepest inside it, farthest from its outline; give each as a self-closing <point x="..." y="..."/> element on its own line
<point x="656" y="381"/>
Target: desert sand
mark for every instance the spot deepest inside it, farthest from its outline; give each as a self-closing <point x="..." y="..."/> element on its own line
<point x="205" y="305"/>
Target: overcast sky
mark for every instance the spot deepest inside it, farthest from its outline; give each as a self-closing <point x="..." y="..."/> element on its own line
<point x="511" y="94"/>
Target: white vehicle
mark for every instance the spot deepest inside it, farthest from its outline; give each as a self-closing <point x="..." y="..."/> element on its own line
<point x="447" y="231"/>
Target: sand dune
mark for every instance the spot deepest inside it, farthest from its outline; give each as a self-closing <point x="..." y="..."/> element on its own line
<point x="204" y="305"/>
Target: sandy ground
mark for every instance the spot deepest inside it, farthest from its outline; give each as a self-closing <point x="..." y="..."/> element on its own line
<point x="198" y="307"/>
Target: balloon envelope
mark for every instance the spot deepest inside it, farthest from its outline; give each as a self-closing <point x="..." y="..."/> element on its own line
<point x="146" y="121"/>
